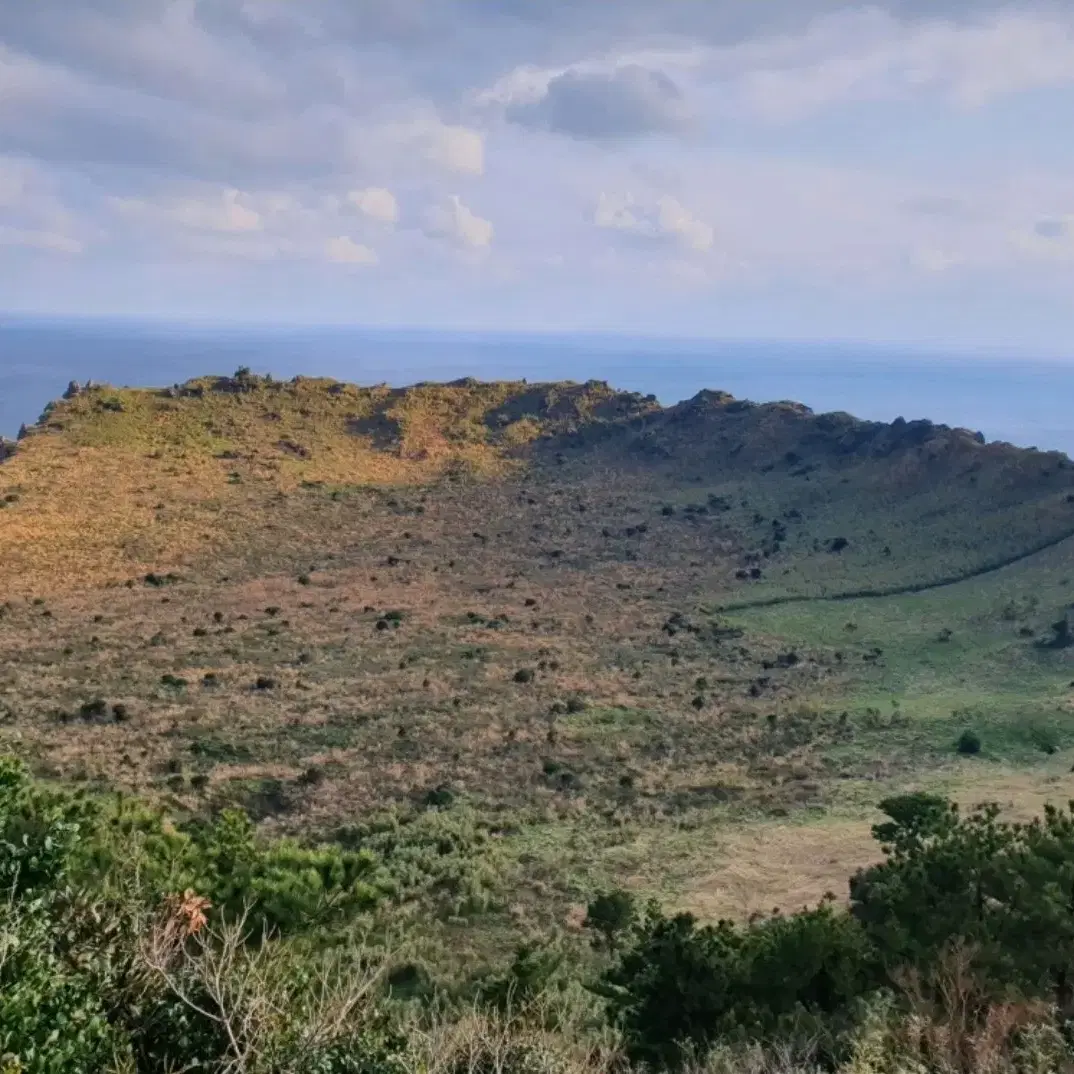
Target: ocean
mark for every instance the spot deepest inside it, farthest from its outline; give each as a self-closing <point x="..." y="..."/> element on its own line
<point x="1024" y="401"/>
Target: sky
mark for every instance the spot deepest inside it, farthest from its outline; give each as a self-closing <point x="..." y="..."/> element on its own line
<point x="900" y="171"/>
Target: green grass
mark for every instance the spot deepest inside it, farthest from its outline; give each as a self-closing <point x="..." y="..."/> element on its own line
<point x="964" y="656"/>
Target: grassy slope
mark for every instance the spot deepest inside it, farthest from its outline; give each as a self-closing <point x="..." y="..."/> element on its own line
<point x="579" y="534"/>
<point x="215" y="453"/>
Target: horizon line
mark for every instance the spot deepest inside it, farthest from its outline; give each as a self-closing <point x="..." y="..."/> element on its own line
<point x="916" y="347"/>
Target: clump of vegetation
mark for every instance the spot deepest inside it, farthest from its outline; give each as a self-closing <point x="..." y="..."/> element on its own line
<point x="969" y="743"/>
<point x="159" y="580"/>
<point x="1062" y="636"/>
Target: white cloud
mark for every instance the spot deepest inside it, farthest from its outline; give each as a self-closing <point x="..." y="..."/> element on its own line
<point x="32" y="215"/>
<point x="529" y="84"/>
<point x="857" y="55"/>
<point x="265" y="130"/>
<point x="675" y="219"/>
<point x="458" y="149"/>
<point x="343" y="250"/>
<point x="411" y="145"/>
<point x="40" y="240"/>
<point x="617" y="213"/>
<point x="869" y="55"/>
<point x="665" y="218"/>
<point x="376" y="202"/>
<point x="1050" y="239"/>
<point x="453" y="220"/>
<point x="255" y="226"/>
<point x="628" y="101"/>
<point x="224" y="211"/>
<point x="934" y="259"/>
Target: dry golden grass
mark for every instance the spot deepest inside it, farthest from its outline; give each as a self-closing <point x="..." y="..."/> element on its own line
<point x="761" y="866"/>
<point x="91" y="476"/>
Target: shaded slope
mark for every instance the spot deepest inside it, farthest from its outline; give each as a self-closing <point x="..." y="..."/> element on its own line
<point x="823" y="505"/>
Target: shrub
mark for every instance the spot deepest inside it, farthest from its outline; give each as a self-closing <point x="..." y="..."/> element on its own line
<point x="91" y="973"/>
<point x="52" y="1015"/>
<point x="528" y="976"/>
<point x="609" y="915"/>
<point x="157" y="581"/>
<point x="968" y="743"/>
<point x="92" y="710"/>
<point x="488" y="1044"/>
<point x="1000" y="889"/>
<point x="523" y="675"/>
<point x="680" y="987"/>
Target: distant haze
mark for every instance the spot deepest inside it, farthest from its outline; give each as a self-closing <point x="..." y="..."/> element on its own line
<point x="1023" y="401"/>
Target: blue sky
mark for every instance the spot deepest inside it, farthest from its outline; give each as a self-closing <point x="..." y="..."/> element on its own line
<point x="901" y="171"/>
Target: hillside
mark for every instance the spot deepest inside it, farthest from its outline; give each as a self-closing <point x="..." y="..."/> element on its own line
<point x="114" y="482"/>
<point x="605" y="628"/>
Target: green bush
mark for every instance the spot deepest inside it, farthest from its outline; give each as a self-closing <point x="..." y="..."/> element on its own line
<point x="38" y="832"/>
<point x="1002" y="889"/>
<point x="52" y="1015"/>
<point x="682" y="986"/>
<point x="610" y="915"/>
<point x="104" y="965"/>
<point x="282" y="886"/>
<point x="93" y="971"/>
<point x="969" y="743"/>
<point x="49" y="839"/>
<point x="531" y="973"/>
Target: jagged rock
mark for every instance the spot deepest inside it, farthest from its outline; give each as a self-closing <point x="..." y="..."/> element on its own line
<point x="73" y="389"/>
<point x="707" y="397"/>
<point x="7" y="448"/>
